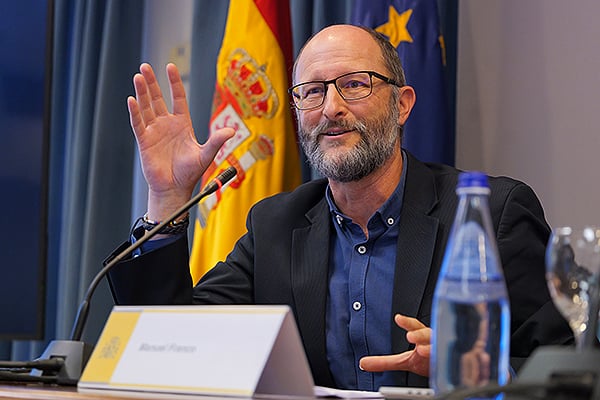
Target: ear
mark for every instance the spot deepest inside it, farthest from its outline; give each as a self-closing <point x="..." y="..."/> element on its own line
<point x="406" y="101"/>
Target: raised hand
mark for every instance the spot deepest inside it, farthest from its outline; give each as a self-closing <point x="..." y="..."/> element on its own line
<point x="415" y="360"/>
<point x="172" y="159"/>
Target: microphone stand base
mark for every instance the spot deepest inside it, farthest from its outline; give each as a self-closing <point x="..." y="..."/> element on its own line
<point x="564" y="364"/>
<point x="76" y="355"/>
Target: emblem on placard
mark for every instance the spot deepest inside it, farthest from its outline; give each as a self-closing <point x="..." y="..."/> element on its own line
<point x="110" y="348"/>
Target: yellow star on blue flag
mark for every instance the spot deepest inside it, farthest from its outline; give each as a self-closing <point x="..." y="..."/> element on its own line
<point x="395" y="28"/>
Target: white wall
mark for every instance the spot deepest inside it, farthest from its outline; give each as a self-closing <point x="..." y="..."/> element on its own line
<point x="529" y="99"/>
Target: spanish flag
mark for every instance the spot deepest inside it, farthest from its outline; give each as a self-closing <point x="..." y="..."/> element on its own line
<point x="253" y="74"/>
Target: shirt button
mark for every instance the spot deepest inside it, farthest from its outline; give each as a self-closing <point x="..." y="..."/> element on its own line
<point x="361" y="249"/>
<point x="390" y="221"/>
<point x="356" y="305"/>
<point x="339" y="219"/>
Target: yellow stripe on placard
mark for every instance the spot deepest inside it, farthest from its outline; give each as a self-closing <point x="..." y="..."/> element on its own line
<point x="110" y="347"/>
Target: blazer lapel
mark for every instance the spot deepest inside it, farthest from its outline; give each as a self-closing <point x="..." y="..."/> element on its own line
<point x="416" y="246"/>
<point x="310" y="260"/>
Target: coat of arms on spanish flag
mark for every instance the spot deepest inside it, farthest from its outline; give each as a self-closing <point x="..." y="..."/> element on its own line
<point x="253" y="71"/>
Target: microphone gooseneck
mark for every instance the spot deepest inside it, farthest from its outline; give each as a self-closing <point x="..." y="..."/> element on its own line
<point x="83" y="310"/>
<point x="74" y="353"/>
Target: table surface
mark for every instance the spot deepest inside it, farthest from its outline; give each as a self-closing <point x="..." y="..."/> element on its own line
<point x="53" y="392"/>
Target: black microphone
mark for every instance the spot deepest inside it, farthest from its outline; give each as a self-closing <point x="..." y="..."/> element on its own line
<point x="74" y="351"/>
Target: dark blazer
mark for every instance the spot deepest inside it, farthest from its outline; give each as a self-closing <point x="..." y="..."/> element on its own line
<point x="283" y="259"/>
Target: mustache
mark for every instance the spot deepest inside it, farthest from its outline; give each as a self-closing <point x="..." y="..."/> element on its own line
<point x="326" y="126"/>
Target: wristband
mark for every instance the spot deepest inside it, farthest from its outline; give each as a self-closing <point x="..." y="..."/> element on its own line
<point x="172" y="228"/>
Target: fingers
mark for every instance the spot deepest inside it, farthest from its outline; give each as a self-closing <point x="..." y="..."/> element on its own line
<point x="135" y="118"/>
<point x="408" y="323"/>
<point x="420" y="336"/>
<point x="142" y="97"/>
<point x="217" y="138"/>
<point x="148" y="95"/>
<point x="156" y="98"/>
<point x="417" y="332"/>
<point x="385" y="363"/>
<point x="214" y="143"/>
<point x="407" y="361"/>
<point x="177" y="90"/>
<point x="416" y="360"/>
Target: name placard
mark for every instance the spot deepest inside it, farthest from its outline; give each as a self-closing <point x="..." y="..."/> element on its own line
<point x="208" y="350"/>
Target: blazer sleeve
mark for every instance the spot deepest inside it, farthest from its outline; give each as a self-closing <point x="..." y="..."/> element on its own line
<point x="162" y="277"/>
<point x="158" y="277"/>
<point x="522" y="239"/>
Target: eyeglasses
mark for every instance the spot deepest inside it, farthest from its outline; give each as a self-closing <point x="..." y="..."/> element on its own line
<point x="351" y="86"/>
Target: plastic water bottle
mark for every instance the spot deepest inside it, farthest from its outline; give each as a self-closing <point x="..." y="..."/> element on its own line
<point x="470" y="315"/>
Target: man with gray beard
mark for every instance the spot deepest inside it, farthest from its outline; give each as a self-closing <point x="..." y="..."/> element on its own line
<point x="355" y="255"/>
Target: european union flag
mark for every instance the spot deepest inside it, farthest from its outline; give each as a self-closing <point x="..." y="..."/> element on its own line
<point x="412" y="26"/>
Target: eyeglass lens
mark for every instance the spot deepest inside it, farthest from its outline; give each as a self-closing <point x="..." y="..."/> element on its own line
<point x="352" y="87"/>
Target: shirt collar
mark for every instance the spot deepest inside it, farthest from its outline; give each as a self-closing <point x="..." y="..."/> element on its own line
<point x="390" y="209"/>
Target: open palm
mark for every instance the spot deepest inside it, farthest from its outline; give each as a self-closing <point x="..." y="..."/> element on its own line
<point x="172" y="160"/>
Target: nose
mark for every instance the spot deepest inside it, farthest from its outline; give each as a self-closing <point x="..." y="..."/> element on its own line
<point x="334" y="105"/>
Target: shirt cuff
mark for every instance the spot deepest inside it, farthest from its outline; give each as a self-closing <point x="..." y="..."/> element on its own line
<point x="151" y="245"/>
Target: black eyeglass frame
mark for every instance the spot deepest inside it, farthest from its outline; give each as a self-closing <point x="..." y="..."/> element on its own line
<point x="334" y="80"/>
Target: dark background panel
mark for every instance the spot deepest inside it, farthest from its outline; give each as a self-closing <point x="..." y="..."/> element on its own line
<point x="23" y="167"/>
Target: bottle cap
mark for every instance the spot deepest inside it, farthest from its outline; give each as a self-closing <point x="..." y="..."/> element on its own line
<point x="472" y="179"/>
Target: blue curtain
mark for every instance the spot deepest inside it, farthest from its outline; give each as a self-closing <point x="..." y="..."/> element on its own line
<point x="96" y="49"/>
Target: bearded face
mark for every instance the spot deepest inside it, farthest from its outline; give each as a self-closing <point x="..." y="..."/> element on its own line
<point x="378" y="137"/>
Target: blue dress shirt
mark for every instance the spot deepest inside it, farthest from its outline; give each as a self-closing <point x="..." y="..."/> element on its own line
<point x="359" y="306"/>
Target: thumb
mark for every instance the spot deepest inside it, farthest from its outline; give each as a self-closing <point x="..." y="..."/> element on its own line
<point x="216" y="140"/>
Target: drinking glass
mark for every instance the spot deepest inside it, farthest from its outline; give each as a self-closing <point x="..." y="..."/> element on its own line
<point x="573" y="273"/>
